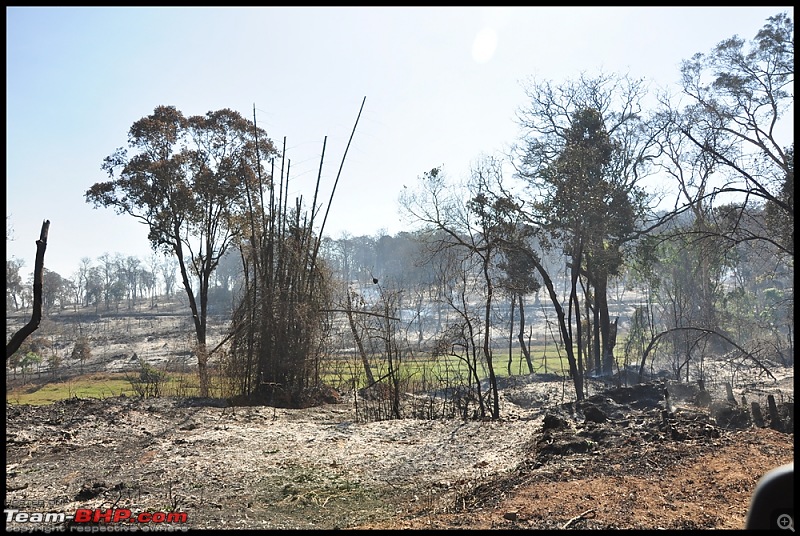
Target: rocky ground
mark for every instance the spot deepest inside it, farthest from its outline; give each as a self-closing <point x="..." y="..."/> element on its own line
<point x="628" y="457"/>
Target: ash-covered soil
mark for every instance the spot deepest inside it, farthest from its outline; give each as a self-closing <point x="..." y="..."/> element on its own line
<point x="628" y="457"/>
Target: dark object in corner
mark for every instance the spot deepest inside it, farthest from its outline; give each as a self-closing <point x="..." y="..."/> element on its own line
<point x="772" y="502"/>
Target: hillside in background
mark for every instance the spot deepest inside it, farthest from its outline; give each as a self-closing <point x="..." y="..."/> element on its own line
<point x="160" y="334"/>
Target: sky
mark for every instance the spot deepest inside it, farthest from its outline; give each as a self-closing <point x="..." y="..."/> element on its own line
<point x="441" y="87"/>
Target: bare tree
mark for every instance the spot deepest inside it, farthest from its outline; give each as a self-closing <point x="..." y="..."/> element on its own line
<point x="38" y="276"/>
<point x="478" y="228"/>
<point x="739" y="94"/>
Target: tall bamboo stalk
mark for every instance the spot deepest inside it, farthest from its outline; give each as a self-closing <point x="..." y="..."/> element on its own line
<point x="284" y="295"/>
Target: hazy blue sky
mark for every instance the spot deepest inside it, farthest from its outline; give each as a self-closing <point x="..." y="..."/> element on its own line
<point x="442" y="86"/>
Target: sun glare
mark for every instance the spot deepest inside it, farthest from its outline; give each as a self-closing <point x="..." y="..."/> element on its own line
<point x="484" y="45"/>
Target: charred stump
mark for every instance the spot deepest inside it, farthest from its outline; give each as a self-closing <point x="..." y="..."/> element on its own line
<point x="729" y="392"/>
<point x="758" y="417"/>
<point x="774" y="416"/>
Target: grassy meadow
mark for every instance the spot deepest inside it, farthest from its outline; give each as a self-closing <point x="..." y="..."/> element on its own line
<point x="421" y="372"/>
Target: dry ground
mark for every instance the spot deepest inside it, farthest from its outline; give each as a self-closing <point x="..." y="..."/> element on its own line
<point x="626" y="458"/>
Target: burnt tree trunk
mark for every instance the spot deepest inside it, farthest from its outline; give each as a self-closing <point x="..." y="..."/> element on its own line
<point x="758" y="417"/>
<point x="774" y="416"/>
<point x="38" y="277"/>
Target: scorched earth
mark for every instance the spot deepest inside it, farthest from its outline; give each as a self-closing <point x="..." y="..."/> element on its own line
<point x="626" y="458"/>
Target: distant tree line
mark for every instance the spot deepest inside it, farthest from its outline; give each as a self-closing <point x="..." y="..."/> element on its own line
<point x="110" y="283"/>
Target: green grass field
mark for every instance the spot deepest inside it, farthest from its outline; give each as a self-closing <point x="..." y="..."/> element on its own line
<point x="420" y="371"/>
<point x="88" y="386"/>
<point x="100" y="386"/>
<point x="446" y="366"/>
